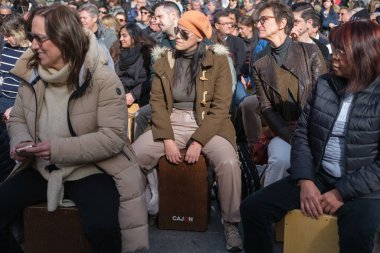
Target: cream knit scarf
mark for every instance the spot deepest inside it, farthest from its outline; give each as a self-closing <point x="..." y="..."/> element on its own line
<point x="53" y="124"/>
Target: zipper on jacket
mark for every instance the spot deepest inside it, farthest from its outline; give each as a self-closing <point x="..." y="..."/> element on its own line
<point x="345" y="134"/>
<point x="329" y="134"/>
<point x="35" y="126"/>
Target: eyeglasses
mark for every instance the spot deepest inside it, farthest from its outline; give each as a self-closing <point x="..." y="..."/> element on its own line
<point x="103" y="12"/>
<point x="121" y="20"/>
<point x="263" y="19"/>
<point x="152" y="19"/>
<point x="183" y="34"/>
<point x="227" y="23"/>
<point x="4" y="15"/>
<point x="39" y="38"/>
<point x="339" y="53"/>
<point x="144" y="13"/>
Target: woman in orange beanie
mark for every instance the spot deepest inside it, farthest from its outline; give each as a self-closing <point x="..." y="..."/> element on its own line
<point x="190" y="99"/>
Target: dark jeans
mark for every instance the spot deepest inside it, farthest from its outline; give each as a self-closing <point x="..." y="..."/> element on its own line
<point x="358" y="219"/>
<point x="95" y="196"/>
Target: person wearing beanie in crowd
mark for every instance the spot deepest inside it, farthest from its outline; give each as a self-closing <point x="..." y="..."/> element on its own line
<point x="190" y="99"/>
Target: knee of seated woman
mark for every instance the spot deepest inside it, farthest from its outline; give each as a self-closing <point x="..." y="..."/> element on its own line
<point x="228" y="165"/>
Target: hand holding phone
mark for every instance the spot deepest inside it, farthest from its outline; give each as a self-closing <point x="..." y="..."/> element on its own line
<point x="19" y="152"/>
<point x="23" y="148"/>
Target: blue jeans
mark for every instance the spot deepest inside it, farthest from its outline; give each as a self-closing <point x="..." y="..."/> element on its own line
<point x="358" y="219"/>
<point x="240" y="92"/>
<point x="278" y="160"/>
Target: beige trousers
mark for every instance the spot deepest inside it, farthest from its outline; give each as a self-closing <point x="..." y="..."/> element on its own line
<point x="218" y="151"/>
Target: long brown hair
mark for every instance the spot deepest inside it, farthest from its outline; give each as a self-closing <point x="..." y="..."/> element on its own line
<point x="360" y="41"/>
<point x="65" y="30"/>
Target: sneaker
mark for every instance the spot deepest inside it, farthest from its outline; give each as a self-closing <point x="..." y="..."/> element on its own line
<point x="233" y="240"/>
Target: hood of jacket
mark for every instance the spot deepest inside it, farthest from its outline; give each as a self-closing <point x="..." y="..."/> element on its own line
<point x="160" y="52"/>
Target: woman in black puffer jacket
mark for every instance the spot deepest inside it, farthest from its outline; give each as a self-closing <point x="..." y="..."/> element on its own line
<point x="335" y="159"/>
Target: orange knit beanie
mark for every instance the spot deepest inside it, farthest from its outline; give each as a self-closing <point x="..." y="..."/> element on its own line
<point x="197" y="23"/>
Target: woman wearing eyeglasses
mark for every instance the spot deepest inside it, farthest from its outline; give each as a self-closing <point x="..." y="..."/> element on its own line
<point x="190" y="99"/>
<point x="67" y="131"/>
<point x="284" y="79"/>
<point x="335" y="150"/>
<point x="13" y="29"/>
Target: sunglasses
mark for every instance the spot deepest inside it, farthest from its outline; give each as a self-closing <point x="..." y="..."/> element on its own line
<point x="39" y="38"/>
<point x="103" y="12"/>
<point x="121" y="20"/>
<point x="183" y="34"/>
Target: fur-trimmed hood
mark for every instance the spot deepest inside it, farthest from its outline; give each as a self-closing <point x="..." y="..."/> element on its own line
<point x="217" y="49"/>
<point x="159" y="51"/>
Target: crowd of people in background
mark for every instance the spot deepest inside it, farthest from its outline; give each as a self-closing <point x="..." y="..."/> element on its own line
<point x="206" y="76"/>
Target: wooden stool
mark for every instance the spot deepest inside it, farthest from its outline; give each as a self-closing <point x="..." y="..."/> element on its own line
<point x="306" y="235"/>
<point x="184" y="195"/>
<point x="59" y="232"/>
<point x="132" y="109"/>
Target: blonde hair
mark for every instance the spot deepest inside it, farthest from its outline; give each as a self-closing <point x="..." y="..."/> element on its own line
<point x="110" y="22"/>
<point x="14" y="25"/>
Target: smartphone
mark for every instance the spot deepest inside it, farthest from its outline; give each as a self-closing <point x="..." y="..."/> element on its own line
<point x="23" y="148"/>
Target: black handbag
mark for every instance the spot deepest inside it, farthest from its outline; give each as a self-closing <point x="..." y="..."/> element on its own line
<point x="250" y="180"/>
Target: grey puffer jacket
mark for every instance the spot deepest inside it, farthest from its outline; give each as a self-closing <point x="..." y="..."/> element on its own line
<point x="361" y="177"/>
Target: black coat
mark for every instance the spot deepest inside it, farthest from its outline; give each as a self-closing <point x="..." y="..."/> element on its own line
<point x="361" y="177"/>
<point x="135" y="79"/>
<point x="237" y="48"/>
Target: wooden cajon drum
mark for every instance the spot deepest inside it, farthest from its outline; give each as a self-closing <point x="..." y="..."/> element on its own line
<point x="59" y="232"/>
<point x="132" y="109"/>
<point x="306" y="235"/>
<point x="184" y="195"/>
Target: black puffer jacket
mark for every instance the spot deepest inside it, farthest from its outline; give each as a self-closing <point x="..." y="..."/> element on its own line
<point x="362" y="165"/>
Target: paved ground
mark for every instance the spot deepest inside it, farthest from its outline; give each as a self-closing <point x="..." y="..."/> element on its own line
<point x="212" y="241"/>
